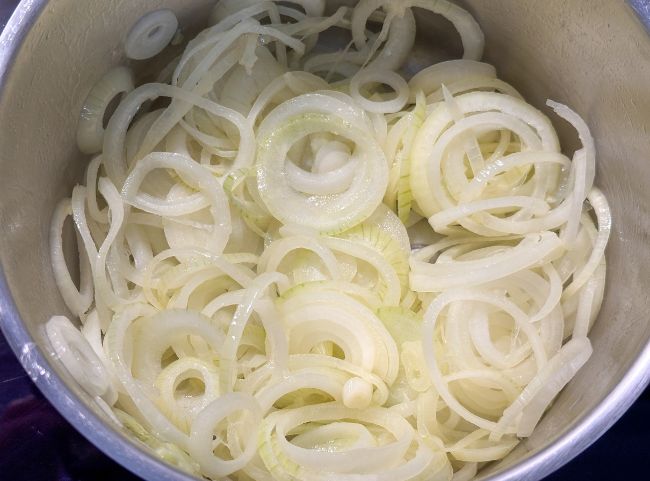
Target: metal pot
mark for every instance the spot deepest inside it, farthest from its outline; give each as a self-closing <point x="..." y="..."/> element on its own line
<point x="593" y="55"/>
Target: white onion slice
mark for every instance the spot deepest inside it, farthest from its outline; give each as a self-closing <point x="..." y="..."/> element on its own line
<point x="603" y="213"/>
<point x="395" y="81"/>
<point x="439" y="276"/>
<point x="151" y="34"/>
<point x="536" y="397"/>
<point x="79" y="359"/>
<point x="431" y="78"/>
<point x="470" y="32"/>
<point x="90" y="130"/>
<point x="77" y="300"/>
<point x="292" y="121"/>
<point x="202" y="179"/>
<point x="200" y="445"/>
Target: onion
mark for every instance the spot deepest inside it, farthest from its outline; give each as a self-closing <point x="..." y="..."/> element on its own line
<point x="288" y="272"/>
<point x="90" y="130"/>
<point x="603" y="213"/>
<point x="545" y="386"/>
<point x="79" y="359"/>
<point x="427" y="182"/>
<point x="432" y="78"/>
<point x="397" y="83"/>
<point x="202" y="180"/>
<point x="78" y="301"/>
<point x="364" y="462"/>
<point x="151" y="34"/>
<point x="201" y="443"/>
<point x="506" y="261"/>
<point x="470" y="33"/>
<point x="183" y="411"/>
<point x="310" y="114"/>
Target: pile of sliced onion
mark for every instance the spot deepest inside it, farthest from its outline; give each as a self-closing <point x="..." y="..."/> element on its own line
<point x="303" y="264"/>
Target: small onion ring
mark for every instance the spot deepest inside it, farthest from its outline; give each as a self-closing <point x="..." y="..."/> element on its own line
<point x="151" y="34"/>
<point x="392" y="79"/>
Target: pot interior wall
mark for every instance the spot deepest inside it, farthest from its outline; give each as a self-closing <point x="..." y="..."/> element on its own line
<point x="594" y="56"/>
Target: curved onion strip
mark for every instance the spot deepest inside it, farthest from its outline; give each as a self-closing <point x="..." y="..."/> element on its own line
<point x="90" y="131"/>
<point x="300" y="380"/>
<point x="539" y="393"/>
<point x="79" y="359"/>
<point x="77" y="300"/>
<point x="318" y="362"/>
<point x="470" y="33"/>
<point x="274" y="254"/>
<point x="391" y="291"/>
<point x="237" y="325"/>
<point x="281" y="456"/>
<point x="115" y="345"/>
<point x="584" y="162"/>
<point x="202" y="180"/>
<point x="314" y="317"/>
<point x="603" y="213"/>
<point x="430" y="319"/>
<point x="183" y="411"/>
<point x="114" y="139"/>
<point x="436" y="277"/>
<point x="430" y="79"/>
<point x="151" y="34"/>
<point x="513" y="114"/>
<point x="200" y="444"/>
<point x="161" y="331"/>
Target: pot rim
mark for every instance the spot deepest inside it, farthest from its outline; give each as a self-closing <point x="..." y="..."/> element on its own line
<point x="586" y="430"/>
<point x="642" y="9"/>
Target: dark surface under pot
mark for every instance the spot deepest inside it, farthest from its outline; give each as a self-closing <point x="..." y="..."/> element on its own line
<point x="37" y="444"/>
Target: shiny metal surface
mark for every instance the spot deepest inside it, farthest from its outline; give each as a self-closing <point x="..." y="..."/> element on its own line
<point x="642" y="8"/>
<point x="593" y="55"/>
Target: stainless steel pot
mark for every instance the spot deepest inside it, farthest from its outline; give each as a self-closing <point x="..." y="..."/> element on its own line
<point x="593" y="55"/>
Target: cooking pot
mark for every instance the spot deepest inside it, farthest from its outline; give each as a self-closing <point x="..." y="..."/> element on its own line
<point x="593" y="55"/>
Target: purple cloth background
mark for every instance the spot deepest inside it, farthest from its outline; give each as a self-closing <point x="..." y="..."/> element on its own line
<point x="37" y="444"/>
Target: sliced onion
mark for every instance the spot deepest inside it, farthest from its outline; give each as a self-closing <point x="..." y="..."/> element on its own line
<point x="470" y="32"/>
<point x="432" y="78"/>
<point x="90" y="130"/>
<point x="151" y="34"/>
<point x="251" y="306"/>
<point x="395" y="81"/>
<point x="305" y="115"/>
<point x="200" y="445"/>
<point x="436" y="277"/>
<point x="202" y="180"/>
<point x="77" y="300"/>
<point x="603" y="213"/>
<point x="79" y="359"/>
